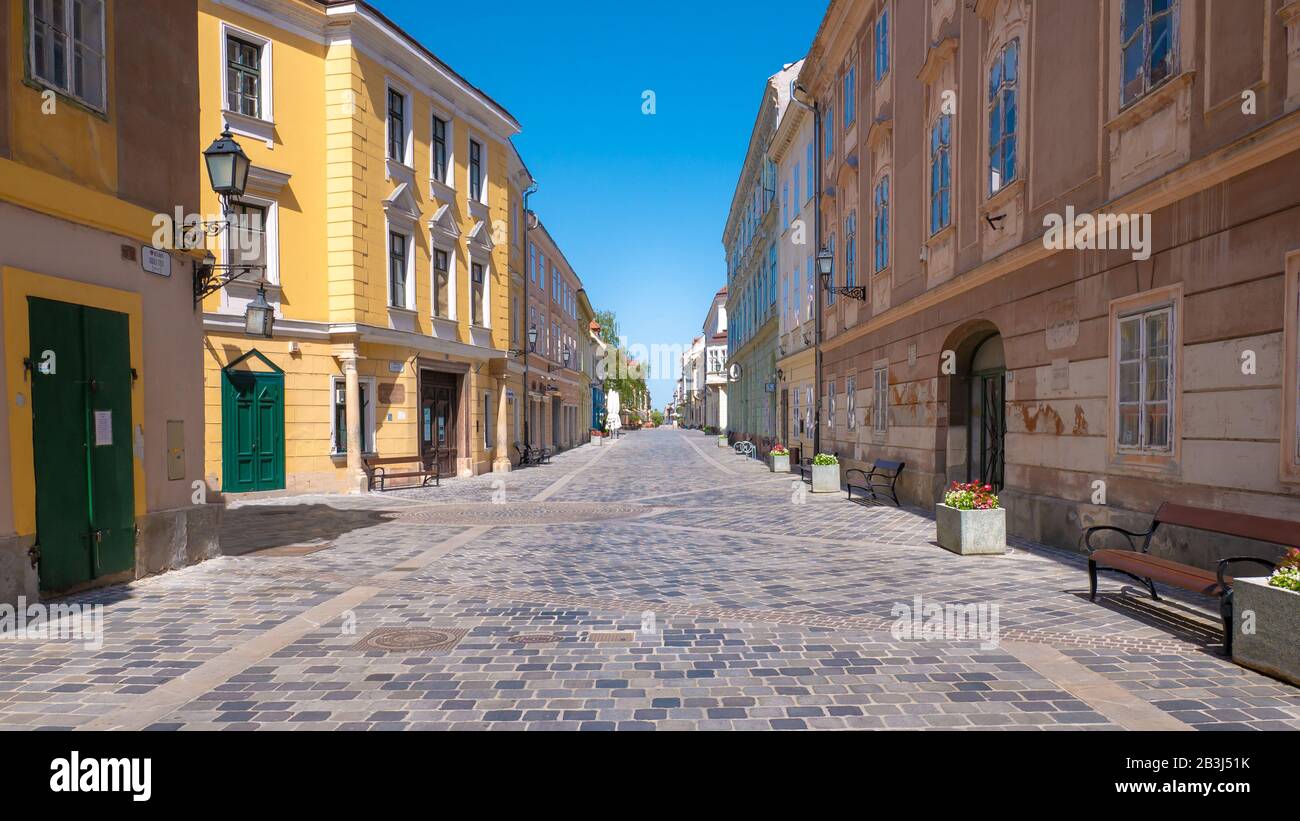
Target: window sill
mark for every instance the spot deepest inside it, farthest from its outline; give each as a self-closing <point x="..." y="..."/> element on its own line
<point x="478" y="208"/>
<point x="67" y="96"/>
<point x="247" y="126"/>
<point x="400" y="171"/>
<point x="1155" y="99"/>
<point x="441" y="190"/>
<point x="1004" y="195"/>
<point x="941" y="236"/>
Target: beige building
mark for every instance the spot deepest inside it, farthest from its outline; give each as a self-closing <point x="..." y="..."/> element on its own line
<point x="1089" y="379"/>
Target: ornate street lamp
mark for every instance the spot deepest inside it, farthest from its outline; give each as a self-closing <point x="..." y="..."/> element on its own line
<point x="825" y="266"/>
<point x="532" y="338"/>
<point x="567" y="355"/>
<point x="228" y="166"/>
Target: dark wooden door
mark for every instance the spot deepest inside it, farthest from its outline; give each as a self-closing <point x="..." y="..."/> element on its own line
<point x="438" y="420"/>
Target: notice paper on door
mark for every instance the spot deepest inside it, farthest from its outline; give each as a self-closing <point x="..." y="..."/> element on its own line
<point x="103" y="428"/>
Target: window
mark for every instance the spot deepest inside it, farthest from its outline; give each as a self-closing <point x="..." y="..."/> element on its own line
<point x="247" y="240"/>
<point x="830" y="284"/>
<point x="940" y="173"/>
<point x="785" y="206"/>
<point x="396" y="125"/>
<point x="830" y="406"/>
<point x="541" y="271"/>
<point x="880" y="400"/>
<point x="1003" y="90"/>
<point x="794" y="208"/>
<point x="398" y="255"/>
<point x="851" y="249"/>
<point x="808" y="410"/>
<point x="243" y="77"/>
<point x="794" y="413"/>
<point x="440" y="150"/>
<point x="808" y="278"/>
<point x="476" y="171"/>
<point x="882" y="45"/>
<point x="441" y="283"/>
<point x="811" y="162"/>
<point x="1145" y="380"/>
<point x="851" y="401"/>
<point x="1147" y="42"/>
<point x="770" y="302"/>
<point x="476" y="291"/>
<point x="67" y="48"/>
<point x="340" y="443"/>
<point x="796" y="292"/>
<point x="882" y="224"/>
<point x="829" y="136"/>
<point x="850" y="96"/>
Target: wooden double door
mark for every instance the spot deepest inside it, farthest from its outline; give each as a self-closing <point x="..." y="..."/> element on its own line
<point x="439" y="405"/>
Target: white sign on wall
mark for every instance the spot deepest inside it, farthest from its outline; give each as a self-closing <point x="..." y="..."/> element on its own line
<point x="155" y="261"/>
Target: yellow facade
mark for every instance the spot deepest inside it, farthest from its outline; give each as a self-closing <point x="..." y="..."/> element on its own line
<point x="321" y="168"/>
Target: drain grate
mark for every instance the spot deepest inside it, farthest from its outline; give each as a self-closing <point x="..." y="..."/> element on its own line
<point x="406" y="639"/>
<point x="536" y="638"/>
<point x="605" y="636"/>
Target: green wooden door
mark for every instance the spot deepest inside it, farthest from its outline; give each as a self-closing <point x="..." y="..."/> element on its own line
<point x="82" y="442"/>
<point x="252" y="431"/>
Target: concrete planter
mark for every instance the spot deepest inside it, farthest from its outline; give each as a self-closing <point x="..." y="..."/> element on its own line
<point x="971" y="532"/>
<point x="781" y="464"/>
<point x="1274" y="615"/>
<point x="826" y="478"/>
<point x="722" y="441"/>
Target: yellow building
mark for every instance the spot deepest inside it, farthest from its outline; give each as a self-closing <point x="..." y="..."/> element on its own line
<point x="100" y="353"/>
<point x="380" y="203"/>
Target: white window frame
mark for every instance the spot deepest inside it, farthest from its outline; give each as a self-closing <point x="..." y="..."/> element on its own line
<point x="851" y="401"/>
<point x="368" y="413"/>
<point x="389" y="230"/>
<point x="450" y="181"/>
<point x="102" y="105"/>
<point x="238" y="122"/>
<point x="995" y="106"/>
<point x="1140" y="316"/>
<point x="830" y="405"/>
<point x="483" y="172"/>
<point x="486" y="262"/>
<point x="880" y="399"/>
<point x="271" y="231"/>
<point x="450" y="250"/>
<point x="408" y="123"/>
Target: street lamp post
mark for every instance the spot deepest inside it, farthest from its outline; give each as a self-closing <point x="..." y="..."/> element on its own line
<point x="227" y="167"/>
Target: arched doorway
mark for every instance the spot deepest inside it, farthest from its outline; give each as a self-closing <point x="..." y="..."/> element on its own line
<point x="986" y="420"/>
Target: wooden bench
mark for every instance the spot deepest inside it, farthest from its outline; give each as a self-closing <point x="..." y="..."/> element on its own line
<point x="883" y="476"/>
<point x="1138" y="564"/>
<point x="377" y="471"/>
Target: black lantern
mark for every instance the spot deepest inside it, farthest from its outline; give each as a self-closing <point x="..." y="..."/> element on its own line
<point x="567" y="354"/>
<point x="532" y="338"/>
<point x="825" y="263"/>
<point x="227" y="166"/>
<point x="259" y="316"/>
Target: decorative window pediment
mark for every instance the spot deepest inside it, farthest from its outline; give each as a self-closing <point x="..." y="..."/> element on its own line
<point x="401" y="208"/>
<point x="445" y="223"/>
<point x="480" y="235"/>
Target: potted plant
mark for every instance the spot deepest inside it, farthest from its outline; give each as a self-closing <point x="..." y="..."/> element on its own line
<point x="970" y="521"/>
<point x="1266" y="620"/>
<point x="780" y="458"/>
<point x="825" y="473"/>
<point x="722" y="440"/>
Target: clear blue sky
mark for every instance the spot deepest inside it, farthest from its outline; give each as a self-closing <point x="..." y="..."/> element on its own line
<point x="637" y="202"/>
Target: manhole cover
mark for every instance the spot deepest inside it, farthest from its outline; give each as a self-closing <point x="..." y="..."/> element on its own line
<point x="611" y="636"/>
<point x="535" y="638"/>
<point x="402" y="639"/>
<point x="523" y="513"/>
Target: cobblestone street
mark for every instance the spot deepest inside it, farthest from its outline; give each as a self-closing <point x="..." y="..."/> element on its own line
<point x="521" y="602"/>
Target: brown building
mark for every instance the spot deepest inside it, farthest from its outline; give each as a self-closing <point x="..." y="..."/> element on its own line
<point x="1153" y="358"/>
<point x="557" y="391"/>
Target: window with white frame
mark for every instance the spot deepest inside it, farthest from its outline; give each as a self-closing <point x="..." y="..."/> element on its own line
<point x="477" y="293"/>
<point x="881" y="238"/>
<point x="441" y="164"/>
<point x="830" y="406"/>
<point x="399" y="140"/>
<point x="882" y="45"/>
<point x="850" y="96"/>
<point x="851" y="249"/>
<point x="795" y="414"/>
<point x="67" y="48"/>
<point x="399" y="269"/>
<point x="851" y="401"/>
<point x="1004" y="90"/>
<point x="1145" y="380"/>
<point x="880" y="399"/>
<point x="811" y="163"/>
<point x="247" y="239"/>
<point x="830" y="283"/>
<point x="243" y="76"/>
<point x="828" y="139"/>
<point x="477" y="190"/>
<point x="940" y="173"/>
<point x="808" y="409"/>
<point x="339" y="418"/>
<point x="1148" y="45"/>
<point x="442" y="278"/>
